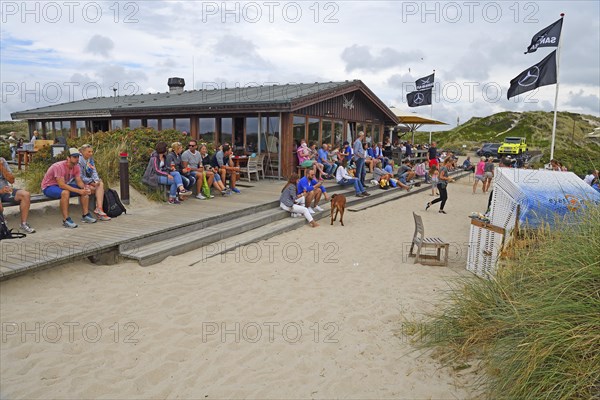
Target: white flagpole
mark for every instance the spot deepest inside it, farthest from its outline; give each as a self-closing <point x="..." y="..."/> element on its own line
<point x="562" y="15"/>
<point x="431" y="107"/>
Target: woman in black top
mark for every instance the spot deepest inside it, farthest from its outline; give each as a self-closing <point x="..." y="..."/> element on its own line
<point x="387" y="149"/>
<point x="442" y="184"/>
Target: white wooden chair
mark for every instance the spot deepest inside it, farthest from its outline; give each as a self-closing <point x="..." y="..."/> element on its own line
<point x="422" y="243"/>
<point x="250" y="168"/>
<point x="261" y="164"/>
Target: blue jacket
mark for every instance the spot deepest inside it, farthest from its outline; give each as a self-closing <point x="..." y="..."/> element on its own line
<point x="304" y="184"/>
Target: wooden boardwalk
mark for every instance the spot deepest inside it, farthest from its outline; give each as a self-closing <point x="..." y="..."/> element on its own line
<point x="130" y="232"/>
<point x="58" y="245"/>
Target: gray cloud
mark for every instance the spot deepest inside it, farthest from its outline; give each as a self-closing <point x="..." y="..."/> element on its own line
<point x="587" y="102"/>
<point x="100" y="45"/>
<point x="400" y="81"/>
<point x="237" y="47"/>
<point x="359" y="57"/>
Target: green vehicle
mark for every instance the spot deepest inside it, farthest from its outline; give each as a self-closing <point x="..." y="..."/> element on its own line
<point x="513" y="146"/>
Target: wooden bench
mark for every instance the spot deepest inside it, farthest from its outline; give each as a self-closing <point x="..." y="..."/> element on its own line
<point x="422" y="242"/>
<point x="35" y="198"/>
<point x="41" y="198"/>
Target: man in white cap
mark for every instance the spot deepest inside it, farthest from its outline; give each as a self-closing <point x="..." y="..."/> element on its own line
<point x="63" y="180"/>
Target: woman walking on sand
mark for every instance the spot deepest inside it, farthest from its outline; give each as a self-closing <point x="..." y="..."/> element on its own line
<point x="442" y="184"/>
<point x="479" y="174"/>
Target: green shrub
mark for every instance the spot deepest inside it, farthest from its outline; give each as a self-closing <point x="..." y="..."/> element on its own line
<point x="137" y="143"/>
<point x="5" y="151"/>
<point x="536" y="326"/>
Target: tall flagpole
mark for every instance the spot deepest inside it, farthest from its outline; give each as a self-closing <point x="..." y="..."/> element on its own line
<point x="431" y="107"/>
<point x="562" y="15"/>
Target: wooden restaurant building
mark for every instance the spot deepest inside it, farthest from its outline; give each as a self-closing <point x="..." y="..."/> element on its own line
<point x="258" y="119"/>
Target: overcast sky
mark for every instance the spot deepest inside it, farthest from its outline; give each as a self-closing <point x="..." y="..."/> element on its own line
<point x="55" y="52"/>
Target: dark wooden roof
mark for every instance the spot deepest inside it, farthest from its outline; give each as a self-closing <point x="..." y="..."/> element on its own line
<point x="274" y="98"/>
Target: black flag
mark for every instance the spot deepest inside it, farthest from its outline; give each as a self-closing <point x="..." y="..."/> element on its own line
<point x="425" y="82"/>
<point x="419" y="98"/>
<point x="547" y="37"/>
<point x="541" y="74"/>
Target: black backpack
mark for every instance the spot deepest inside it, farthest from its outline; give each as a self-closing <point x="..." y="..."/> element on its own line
<point x="112" y="203"/>
<point x="6" y="233"/>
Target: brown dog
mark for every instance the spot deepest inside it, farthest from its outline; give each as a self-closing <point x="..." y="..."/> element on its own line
<point x="338" y="205"/>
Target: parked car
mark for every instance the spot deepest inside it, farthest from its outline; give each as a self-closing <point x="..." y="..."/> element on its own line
<point x="489" y="150"/>
<point x="513" y="146"/>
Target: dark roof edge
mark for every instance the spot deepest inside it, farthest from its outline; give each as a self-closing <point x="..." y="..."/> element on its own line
<point x="155" y="111"/>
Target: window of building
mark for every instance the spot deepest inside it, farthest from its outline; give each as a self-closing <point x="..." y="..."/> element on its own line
<point x="208" y="130"/>
<point x="182" y="124"/>
<point x="338" y="132"/>
<point x="376" y="134"/>
<point x="65" y="128"/>
<point x="48" y="130"/>
<point x="226" y="130"/>
<point x="135" y="123"/>
<point x="313" y="131"/>
<point x="299" y="129"/>
<point x="252" y="135"/>
<point x="116" y="124"/>
<point x="359" y="127"/>
<point x="152" y="123"/>
<point x="167" y="123"/>
<point x="327" y="130"/>
<point x="368" y="133"/>
<point x="269" y="141"/>
<point x="80" y="128"/>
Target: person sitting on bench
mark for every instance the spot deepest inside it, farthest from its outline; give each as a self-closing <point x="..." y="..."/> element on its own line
<point x="89" y="176"/>
<point x="10" y="194"/>
<point x="224" y="164"/>
<point x="63" y="180"/>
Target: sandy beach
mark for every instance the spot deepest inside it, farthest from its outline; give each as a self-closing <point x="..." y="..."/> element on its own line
<point x="313" y="313"/>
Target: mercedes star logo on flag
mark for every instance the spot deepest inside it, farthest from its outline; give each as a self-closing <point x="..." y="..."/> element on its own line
<point x="533" y="74"/>
<point x="419" y="98"/>
<point x="540" y="74"/>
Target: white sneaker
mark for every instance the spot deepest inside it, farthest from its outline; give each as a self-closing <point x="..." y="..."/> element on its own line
<point x="295" y="215"/>
<point x="200" y="197"/>
<point x="25" y="227"/>
<point x="310" y="210"/>
<point x="318" y="208"/>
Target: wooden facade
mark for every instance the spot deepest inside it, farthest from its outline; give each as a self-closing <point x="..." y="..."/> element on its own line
<point x="332" y="114"/>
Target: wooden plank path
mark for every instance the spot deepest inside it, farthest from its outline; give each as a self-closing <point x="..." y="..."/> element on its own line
<point x="58" y="245"/>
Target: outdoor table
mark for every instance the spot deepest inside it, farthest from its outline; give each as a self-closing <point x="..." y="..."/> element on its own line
<point x="240" y="160"/>
<point x="24" y="157"/>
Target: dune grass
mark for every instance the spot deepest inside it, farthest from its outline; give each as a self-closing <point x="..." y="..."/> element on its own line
<point x="137" y="143"/>
<point x="535" y="328"/>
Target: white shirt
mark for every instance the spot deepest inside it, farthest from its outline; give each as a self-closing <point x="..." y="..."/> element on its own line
<point x="589" y="179"/>
<point x="341" y="173"/>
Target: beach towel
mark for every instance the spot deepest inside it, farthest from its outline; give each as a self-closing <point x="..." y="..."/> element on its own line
<point x="205" y="188"/>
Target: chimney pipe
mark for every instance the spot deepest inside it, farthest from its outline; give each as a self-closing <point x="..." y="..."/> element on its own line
<point x="176" y="85"/>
